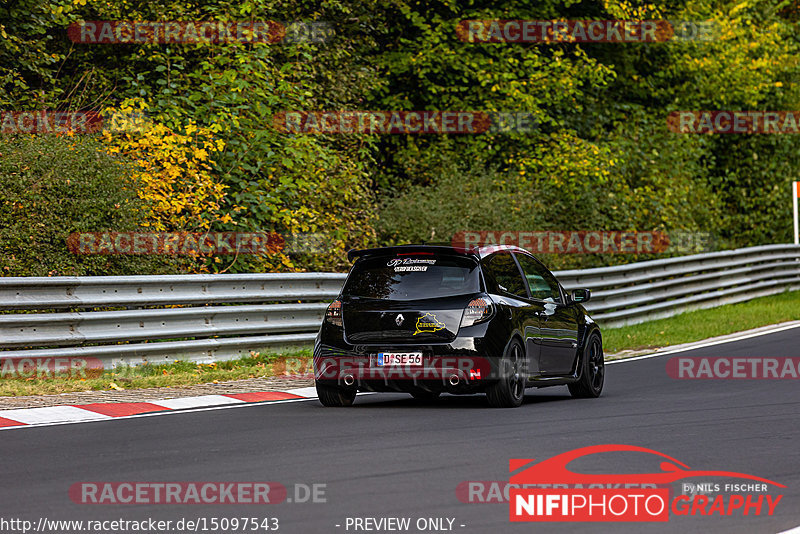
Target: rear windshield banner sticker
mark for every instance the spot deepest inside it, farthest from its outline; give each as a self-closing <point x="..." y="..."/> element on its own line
<point x="410" y="264"/>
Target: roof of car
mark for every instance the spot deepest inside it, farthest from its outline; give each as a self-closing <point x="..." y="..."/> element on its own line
<point x="474" y="251"/>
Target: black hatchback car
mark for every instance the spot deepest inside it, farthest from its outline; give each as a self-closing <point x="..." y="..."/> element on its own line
<point x="428" y="319"/>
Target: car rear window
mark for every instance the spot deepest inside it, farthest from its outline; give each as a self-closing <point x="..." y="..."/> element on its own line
<point x="412" y="277"/>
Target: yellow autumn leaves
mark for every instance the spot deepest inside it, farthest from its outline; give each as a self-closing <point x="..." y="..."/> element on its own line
<point x="173" y="170"/>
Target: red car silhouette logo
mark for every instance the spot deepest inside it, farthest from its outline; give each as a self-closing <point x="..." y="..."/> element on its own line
<point x="554" y="470"/>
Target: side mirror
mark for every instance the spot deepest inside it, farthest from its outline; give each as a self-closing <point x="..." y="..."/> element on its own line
<point x="581" y="295"/>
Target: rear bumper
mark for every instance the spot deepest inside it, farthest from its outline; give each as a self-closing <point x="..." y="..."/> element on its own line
<point x="459" y="367"/>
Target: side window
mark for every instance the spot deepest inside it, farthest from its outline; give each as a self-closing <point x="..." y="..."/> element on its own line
<point x="542" y="284"/>
<point x="503" y="271"/>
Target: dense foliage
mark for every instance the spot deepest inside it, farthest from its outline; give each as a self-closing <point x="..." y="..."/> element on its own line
<point x="56" y="186"/>
<point x="600" y="158"/>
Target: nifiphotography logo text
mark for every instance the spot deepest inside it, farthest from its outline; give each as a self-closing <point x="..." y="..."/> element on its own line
<point x="548" y="491"/>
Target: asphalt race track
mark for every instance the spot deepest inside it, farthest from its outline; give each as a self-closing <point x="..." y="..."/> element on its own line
<point x="391" y="456"/>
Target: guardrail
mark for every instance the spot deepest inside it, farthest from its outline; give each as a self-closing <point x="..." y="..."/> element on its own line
<point x="642" y="291"/>
<point x="216" y="317"/>
<point x="201" y="318"/>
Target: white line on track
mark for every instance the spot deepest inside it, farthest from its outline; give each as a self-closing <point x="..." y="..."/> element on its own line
<point x="156" y="414"/>
<point x="172" y="412"/>
<point x="310" y="391"/>
<point x="193" y="402"/>
<point x="39" y="416"/>
<point x="701" y="344"/>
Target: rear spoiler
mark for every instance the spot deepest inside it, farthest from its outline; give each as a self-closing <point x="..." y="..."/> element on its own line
<point x="400" y="249"/>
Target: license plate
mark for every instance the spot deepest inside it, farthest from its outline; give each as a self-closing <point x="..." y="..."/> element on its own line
<point x="386" y="359"/>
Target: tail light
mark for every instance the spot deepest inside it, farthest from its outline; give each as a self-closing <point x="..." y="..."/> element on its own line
<point x="477" y="311"/>
<point x="333" y="314"/>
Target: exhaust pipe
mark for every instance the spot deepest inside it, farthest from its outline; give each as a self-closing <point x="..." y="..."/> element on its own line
<point x="349" y="380"/>
<point x="454" y="380"/>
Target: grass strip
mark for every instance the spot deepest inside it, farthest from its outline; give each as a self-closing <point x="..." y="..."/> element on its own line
<point x="293" y="362"/>
<point x="703" y="324"/>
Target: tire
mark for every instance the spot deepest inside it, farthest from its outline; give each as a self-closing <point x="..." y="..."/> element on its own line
<point x="509" y="391"/>
<point x="335" y="396"/>
<point x="425" y="396"/>
<point x="590" y="383"/>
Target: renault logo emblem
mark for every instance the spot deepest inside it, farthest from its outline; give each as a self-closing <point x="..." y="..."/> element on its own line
<point x="399" y="319"/>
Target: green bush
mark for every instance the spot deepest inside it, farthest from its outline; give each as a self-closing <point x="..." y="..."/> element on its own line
<point x="564" y="184"/>
<point x="52" y="186"/>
